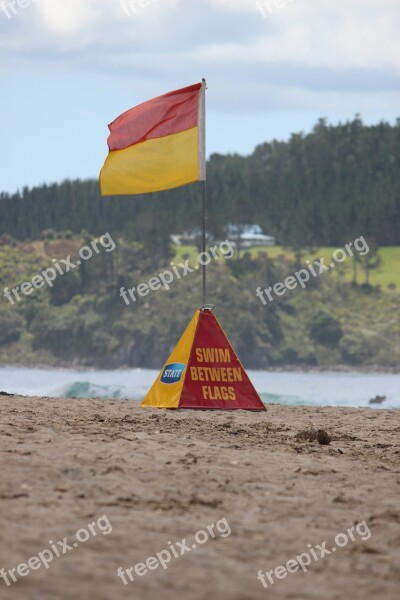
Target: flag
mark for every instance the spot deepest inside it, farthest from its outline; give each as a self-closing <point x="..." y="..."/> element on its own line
<point x="158" y="145"/>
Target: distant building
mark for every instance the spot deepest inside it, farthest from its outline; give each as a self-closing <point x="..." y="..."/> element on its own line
<point x="189" y="238"/>
<point x="249" y="236"/>
<point x="242" y="236"/>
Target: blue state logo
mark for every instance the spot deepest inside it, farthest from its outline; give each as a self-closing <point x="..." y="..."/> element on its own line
<point x="172" y="373"/>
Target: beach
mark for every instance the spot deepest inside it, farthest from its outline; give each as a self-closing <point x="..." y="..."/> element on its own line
<point x="145" y="480"/>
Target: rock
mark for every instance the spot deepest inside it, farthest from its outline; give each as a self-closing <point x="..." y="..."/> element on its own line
<point x="313" y="435"/>
<point x="377" y="400"/>
<point x="323" y="438"/>
<point x="189" y="459"/>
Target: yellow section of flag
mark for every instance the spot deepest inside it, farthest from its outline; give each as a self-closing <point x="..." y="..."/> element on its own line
<point x="152" y="166"/>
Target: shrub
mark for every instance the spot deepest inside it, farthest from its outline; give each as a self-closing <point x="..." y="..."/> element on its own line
<point x="11" y="326"/>
<point x="70" y="333"/>
<point x="64" y="289"/>
<point x="354" y="349"/>
<point x="290" y="356"/>
<point x="325" y="329"/>
<point x="48" y="234"/>
<point x="7" y="240"/>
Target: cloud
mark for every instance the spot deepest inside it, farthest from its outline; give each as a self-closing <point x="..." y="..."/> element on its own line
<point x="64" y="18"/>
<point x="303" y="54"/>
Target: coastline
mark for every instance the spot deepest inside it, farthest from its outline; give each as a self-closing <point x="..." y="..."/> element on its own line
<point x="363" y="369"/>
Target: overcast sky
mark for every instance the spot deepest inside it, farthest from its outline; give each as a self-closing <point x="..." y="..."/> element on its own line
<point x="273" y="67"/>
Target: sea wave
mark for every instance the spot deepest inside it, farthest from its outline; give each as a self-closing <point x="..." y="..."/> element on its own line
<point x="86" y="389"/>
<point x="301" y="389"/>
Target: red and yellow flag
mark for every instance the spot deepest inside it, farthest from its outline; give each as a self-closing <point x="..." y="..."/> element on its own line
<point x="157" y="145"/>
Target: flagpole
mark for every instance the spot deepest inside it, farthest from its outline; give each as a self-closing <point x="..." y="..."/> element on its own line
<point x="202" y="156"/>
<point x="204" y="191"/>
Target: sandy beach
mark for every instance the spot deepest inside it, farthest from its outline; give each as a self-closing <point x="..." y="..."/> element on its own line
<point x="148" y="479"/>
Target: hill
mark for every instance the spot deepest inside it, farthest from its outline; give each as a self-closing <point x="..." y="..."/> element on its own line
<point x="314" y="193"/>
<point x="83" y="320"/>
<point x="320" y="189"/>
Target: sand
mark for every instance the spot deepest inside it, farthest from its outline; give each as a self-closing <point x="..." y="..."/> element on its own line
<point x="161" y="476"/>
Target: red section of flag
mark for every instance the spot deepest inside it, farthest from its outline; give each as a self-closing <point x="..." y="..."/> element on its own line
<point x="165" y="115"/>
<point x="214" y="376"/>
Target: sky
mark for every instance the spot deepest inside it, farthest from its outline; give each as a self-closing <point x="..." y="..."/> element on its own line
<point x="273" y="67"/>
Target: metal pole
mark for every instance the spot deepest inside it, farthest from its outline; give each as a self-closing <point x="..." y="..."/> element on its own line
<point x="202" y="158"/>
<point x="204" y="268"/>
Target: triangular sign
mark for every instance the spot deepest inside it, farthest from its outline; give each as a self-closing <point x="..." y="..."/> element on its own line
<point x="204" y="372"/>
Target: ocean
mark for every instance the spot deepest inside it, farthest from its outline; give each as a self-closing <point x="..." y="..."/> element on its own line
<point x="291" y="388"/>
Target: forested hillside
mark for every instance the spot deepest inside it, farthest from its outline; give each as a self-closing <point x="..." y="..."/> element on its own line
<point x="83" y="320"/>
<point x="319" y="189"/>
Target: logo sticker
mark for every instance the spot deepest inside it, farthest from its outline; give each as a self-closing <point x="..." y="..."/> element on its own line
<point x="173" y="373"/>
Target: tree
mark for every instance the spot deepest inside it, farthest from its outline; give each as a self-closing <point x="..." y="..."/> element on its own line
<point x="325" y="329"/>
<point x="371" y="260"/>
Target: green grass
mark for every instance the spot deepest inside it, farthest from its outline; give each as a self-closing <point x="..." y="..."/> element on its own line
<point x="183" y="252"/>
<point x="387" y="273"/>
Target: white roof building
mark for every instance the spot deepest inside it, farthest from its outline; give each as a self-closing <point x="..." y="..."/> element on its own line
<point x="248" y="236"/>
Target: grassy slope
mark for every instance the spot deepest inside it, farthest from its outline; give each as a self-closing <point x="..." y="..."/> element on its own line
<point x="387" y="273"/>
